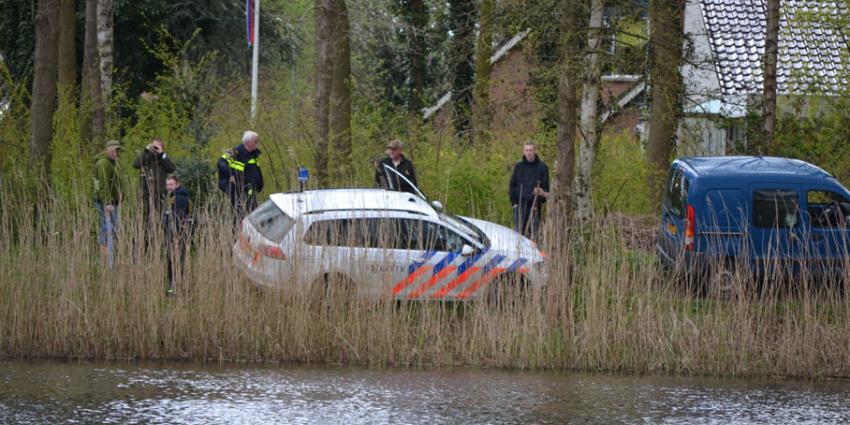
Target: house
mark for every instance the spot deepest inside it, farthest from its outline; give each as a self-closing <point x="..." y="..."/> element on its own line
<point x="723" y="77"/>
<point x="514" y="106"/>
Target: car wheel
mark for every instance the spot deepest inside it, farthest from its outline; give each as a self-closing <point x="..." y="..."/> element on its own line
<point x="332" y="288"/>
<point x="506" y="289"/>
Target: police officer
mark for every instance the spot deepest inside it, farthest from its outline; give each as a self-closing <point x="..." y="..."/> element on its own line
<point x="239" y="174"/>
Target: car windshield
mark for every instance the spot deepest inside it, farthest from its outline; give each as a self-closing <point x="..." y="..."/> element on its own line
<point x="469" y="230"/>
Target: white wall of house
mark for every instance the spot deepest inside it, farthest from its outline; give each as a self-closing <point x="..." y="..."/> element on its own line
<point x="700" y="136"/>
<point x="699" y="73"/>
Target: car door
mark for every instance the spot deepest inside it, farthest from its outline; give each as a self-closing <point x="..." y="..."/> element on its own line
<point x="826" y="212"/>
<point x="776" y="229"/>
<point x="437" y="257"/>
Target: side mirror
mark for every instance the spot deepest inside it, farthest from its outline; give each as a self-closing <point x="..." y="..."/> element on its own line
<point x="437" y="204"/>
<point x="467" y="250"/>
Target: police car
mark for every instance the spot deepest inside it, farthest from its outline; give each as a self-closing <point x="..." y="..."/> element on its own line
<point x="384" y="243"/>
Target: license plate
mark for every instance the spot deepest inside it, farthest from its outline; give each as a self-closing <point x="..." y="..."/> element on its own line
<point x="672" y="228"/>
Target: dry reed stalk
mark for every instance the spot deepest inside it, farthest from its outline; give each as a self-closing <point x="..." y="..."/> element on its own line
<point x="607" y="306"/>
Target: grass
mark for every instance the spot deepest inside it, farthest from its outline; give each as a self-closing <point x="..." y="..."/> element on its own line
<point x="607" y="307"/>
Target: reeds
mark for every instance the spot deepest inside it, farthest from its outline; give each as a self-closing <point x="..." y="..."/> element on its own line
<point x="607" y="306"/>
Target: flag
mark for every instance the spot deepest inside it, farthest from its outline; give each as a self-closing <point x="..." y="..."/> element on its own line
<point x="249" y="20"/>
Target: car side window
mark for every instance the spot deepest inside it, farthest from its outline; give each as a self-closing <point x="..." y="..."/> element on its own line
<point x="338" y="232"/>
<point x="826" y="208"/>
<point x="775" y="208"/>
<point x="386" y="233"/>
<point x="676" y="192"/>
<point x="429" y="236"/>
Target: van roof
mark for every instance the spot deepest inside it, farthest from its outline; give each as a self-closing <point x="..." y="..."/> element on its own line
<point x="719" y="166"/>
<point x="295" y="204"/>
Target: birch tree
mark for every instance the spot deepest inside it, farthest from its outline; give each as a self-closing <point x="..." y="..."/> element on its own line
<point x="771" y="46"/>
<point x="104" y="52"/>
<point x="44" y="82"/>
<point x="588" y="128"/>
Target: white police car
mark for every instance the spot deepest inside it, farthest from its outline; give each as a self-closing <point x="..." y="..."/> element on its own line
<point x="384" y="243"/>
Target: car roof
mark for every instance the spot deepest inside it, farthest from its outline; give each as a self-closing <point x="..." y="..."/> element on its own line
<point x="295" y="204"/>
<point x="720" y="166"/>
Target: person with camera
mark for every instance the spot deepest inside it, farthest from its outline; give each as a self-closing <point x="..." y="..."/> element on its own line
<point x="240" y="176"/>
<point x="153" y="165"/>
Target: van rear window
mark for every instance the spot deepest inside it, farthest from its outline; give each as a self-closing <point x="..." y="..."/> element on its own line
<point x="676" y="192"/>
<point x="775" y="208"/>
<point x="270" y="221"/>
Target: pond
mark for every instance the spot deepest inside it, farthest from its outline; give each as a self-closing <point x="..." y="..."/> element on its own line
<point x="47" y="392"/>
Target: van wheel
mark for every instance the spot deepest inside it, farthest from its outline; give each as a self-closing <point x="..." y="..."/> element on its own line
<point x="723" y="283"/>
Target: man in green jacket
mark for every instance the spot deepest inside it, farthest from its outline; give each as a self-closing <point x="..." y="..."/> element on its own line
<point x="107" y="197"/>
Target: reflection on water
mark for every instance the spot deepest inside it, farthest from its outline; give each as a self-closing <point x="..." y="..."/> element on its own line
<point x="122" y="393"/>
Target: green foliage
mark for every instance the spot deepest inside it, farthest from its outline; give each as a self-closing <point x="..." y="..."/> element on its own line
<point x="14" y="122"/>
<point x="817" y="132"/>
<point x="216" y="26"/>
<point x="17" y="37"/>
<point x="620" y="176"/>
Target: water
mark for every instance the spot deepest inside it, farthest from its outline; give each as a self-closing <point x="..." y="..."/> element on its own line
<point x="173" y="393"/>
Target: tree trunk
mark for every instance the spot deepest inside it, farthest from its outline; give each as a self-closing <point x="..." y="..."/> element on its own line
<point x="462" y="16"/>
<point x="340" y="97"/>
<point x="324" y="81"/>
<point x="67" y="48"/>
<point x="92" y="128"/>
<point x="483" y="51"/>
<point x="666" y="39"/>
<point x="588" y="130"/>
<point x="418" y="15"/>
<point x="44" y="82"/>
<point x="771" y="46"/>
<point x="104" y="51"/>
<point x="560" y="215"/>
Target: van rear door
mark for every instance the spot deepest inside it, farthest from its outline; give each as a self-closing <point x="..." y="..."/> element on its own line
<point x="673" y="214"/>
<point x="722" y="220"/>
<point x="776" y="229"/>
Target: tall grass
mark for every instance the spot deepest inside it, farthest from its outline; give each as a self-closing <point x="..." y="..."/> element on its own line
<point x="607" y="306"/>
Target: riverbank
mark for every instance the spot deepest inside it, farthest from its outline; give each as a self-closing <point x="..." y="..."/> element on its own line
<point x="607" y="307"/>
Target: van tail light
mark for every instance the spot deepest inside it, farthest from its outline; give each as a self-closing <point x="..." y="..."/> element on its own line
<point x="690" y="229"/>
<point x="271" y="251"/>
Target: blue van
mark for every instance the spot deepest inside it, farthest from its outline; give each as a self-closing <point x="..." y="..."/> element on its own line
<point x="722" y="214"/>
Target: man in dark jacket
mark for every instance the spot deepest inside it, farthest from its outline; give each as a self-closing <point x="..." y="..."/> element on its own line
<point x="176" y="222"/>
<point x="239" y="174"/>
<point x="529" y="189"/>
<point x="395" y="159"/>
<point x="153" y="165"/>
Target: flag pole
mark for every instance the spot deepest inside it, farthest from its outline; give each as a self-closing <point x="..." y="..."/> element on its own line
<point x="256" y="62"/>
